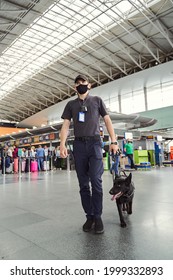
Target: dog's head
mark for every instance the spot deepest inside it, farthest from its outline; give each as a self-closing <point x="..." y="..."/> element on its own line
<point x="122" y="186"/>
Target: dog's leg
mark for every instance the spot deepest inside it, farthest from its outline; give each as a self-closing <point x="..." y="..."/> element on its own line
<point x="130" y="208"/>
<point x="122" y="222"/>
<point x="124" y="207"/>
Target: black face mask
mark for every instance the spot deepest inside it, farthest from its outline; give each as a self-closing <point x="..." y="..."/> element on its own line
<point x="82" y="89"/>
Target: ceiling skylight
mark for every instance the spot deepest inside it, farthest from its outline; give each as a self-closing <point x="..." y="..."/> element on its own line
<point x="64" y="27"/>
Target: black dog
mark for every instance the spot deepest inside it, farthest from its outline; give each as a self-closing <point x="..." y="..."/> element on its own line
<point x="123" y="193"/>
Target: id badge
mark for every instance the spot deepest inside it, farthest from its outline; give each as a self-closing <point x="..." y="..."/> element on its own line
<point x="81" y="117"/>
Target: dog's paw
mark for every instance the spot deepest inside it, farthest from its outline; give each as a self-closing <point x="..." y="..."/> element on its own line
<point x="123" y="224"/>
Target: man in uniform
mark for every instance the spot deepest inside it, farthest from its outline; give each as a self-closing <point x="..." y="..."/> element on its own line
<point x="85" y="111"/>
<point x="128" y="148"/>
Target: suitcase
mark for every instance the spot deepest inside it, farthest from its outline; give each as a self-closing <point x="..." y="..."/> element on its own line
<point x="57" y="162"/>
<point x="46" y="165"/>
<point x="16" y="161"/>
<point x="34" y="166"/>
<point x="9" y="169"/>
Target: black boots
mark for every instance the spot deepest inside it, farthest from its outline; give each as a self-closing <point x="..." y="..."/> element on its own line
<point x="97" y="224"/>
<point x="89" y="225"/>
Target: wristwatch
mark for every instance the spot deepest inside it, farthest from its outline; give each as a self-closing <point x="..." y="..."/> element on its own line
<point x="114" y="143"/>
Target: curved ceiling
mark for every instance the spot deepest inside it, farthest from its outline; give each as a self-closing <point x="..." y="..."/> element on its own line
<point x="134" y="121"/>
<point x="45" y="44"/>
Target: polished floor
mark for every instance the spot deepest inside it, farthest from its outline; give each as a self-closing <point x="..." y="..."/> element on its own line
<point x="41" y="218"/>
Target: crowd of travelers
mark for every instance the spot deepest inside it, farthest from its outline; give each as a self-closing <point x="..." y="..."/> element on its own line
<point x="14" y="159"/>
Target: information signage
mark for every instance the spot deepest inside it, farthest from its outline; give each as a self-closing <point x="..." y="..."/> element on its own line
<point x="36" y="139"/>
<point x="52" y="136"/>
<point x="46" y="137"/>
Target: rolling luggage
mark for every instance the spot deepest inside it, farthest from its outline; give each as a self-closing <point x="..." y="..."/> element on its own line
<point x="34" y="166"/>
<point x="57" y="162"/>
<point x="9" y="169"/>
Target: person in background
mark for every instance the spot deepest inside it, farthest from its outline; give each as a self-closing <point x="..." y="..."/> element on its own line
<point x="15" y="151"/>
<point x="9" y="160"/>
<point x="46" y="152"/>
<point x="32" y="152"/>
<point x="3" y="157"/>
<point x="27" y="153"/>
<point x="23" y="152"/>
<point x="128" y="148"/>
<point x="10" y="152"/>
<point x="40" y="157"/>
<point x="115" y="163"/>
<point x="47" y="157"/>
<point x="57" y="158"/>
<point x="85" y="111"/>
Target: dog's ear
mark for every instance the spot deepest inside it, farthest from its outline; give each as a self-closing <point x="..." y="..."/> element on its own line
<point x="128" y="179"/>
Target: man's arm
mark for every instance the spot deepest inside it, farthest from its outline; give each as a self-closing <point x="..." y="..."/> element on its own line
<point x="113" y="148"/>
<point x="63" y="137"/>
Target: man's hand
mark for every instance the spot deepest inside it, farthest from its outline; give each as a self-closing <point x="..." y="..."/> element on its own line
<point x="63" y="136"/>
<point x="113" y="148"/>
<point x="63" y="151"/>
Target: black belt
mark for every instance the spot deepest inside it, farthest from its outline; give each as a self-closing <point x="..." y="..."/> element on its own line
<point x="88" y="138"/>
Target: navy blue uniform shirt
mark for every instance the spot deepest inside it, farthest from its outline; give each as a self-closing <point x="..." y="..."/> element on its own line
<point x="95" y="109"/>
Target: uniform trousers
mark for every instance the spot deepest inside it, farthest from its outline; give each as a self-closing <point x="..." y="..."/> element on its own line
<point x="89" y="169"/>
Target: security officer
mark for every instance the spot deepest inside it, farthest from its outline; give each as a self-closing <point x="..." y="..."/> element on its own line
<point x="85" y="111"/>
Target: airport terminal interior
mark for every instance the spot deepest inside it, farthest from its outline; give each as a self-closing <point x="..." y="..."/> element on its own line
<point x="124" y="48"/>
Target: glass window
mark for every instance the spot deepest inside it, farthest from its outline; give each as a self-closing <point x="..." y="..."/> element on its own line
<point x="154" y="98"/>
<point x="138" y="102"/>
<point x="112" y="104"/>
<point x="167" y="95"/>
<point x="127" y="103"/>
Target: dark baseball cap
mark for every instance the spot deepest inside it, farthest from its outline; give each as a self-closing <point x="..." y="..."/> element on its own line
<point x="81" y="77"/>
